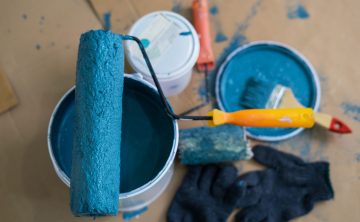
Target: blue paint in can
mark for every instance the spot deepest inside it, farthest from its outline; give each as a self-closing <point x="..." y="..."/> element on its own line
<point x="147" y="135"/>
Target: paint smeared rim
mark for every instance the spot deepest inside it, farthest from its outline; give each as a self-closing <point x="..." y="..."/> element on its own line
<point x="66" y="180"/>
<point x="270" y="43"/>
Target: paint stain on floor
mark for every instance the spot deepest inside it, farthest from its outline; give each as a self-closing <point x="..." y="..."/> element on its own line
<point x="297" y="10"/>
<point x="107" y="20"/>
<point x="357" y="157"/>
<point x="351" y="110"/>
<point x="220" y="35"/>
<point x="177" y="6"/>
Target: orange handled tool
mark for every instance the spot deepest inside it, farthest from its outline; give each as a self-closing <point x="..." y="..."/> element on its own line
<point x="201" y="22"/>
<point x="283" y="118"/>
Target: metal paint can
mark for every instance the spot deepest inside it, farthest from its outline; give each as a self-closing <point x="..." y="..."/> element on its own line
<point x="172" y="45"/>
<point x="60" y="139"/>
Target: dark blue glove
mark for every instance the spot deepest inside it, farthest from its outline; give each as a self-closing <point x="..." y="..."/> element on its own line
<point x="289" y="188"/>
<point x="204" y="195"/>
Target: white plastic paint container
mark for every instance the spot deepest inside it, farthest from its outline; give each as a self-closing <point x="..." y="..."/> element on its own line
<point x="173" y="48"/>
<point x="60" y="133"/>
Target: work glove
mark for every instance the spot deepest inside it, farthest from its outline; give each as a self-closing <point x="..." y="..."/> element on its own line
<point x="204" y="195"/>
<point x="289" y="188"/>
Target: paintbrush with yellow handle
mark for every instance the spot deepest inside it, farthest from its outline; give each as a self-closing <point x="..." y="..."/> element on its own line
<point x="282" y="118"/>
<point x="261" y="93"/>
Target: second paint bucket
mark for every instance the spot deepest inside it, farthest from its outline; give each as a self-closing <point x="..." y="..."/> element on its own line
<point x="149" y="143"/>
<point x="173" y="48"/>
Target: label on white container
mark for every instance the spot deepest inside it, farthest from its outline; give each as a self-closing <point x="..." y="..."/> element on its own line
<point x="157" y="37"/>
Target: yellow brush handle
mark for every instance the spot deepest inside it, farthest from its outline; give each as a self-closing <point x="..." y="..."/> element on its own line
<point x="284" y="118"/>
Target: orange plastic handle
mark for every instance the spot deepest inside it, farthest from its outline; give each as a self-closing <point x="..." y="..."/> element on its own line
<point x="201" y="23"/>
<point x="288" y="118"/>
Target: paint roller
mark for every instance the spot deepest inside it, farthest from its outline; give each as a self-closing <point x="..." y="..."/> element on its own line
<point x="95" y="172"/>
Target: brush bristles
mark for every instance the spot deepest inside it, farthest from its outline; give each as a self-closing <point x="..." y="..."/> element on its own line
<point x="257" y="92"/>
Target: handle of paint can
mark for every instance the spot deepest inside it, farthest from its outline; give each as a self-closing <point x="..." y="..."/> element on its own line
<point x="282" y="118"/>
<point x="201" y="23"/>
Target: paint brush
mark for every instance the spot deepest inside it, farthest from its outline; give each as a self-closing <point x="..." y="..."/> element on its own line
<point x="261" y="93"/>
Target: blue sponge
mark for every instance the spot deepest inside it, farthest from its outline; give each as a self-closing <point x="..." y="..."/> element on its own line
<point x="95" y="173"/>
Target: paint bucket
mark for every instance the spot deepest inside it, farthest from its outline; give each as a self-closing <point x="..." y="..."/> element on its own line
<point x="173" y="48"/>
<point x="278" y="63"/>
<point x="149" y="143"/>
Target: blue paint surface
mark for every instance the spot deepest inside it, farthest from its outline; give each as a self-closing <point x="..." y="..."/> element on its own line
<point x="352" y="110"/>
<point x="185" y="33"/>
<point x="145" y="42"/>
<point x="146" y="138"/>
<point x="107" y="20"/>
<point x="220" y="37"/>
<point x="296" y="10"/>
<point x="274" y="62"/>
<point x="95" y="168"/>
<point x="214" y="10"/>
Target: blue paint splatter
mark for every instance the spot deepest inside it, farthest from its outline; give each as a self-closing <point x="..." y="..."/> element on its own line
<point x="41" y="22"/>
<point x="351" y="110"/>
<point x="129" y="215"/>
<point x="357" y="157"/>
<point x="310" y="145"/>
<point x="220" y="37"/>
<point x="237" y="40"/>
<point x="24" y="16"/>
<point x="214" y="10"/>
<point x="107" y="20"/>
<point x="185" y="33"/>
<point x="296" y="10"/>
<point x="145" y="42"/>
<point x="177" y="6"/>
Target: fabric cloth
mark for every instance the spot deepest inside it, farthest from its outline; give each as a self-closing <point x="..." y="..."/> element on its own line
<point x="289" y="188"/>
<point x="204" y="195"/>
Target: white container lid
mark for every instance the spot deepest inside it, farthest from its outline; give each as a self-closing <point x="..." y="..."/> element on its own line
<point x="170" y="41"/>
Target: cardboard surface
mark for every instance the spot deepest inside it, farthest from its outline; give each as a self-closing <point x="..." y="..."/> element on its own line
<point x="7" y="95"/>
<point x="39" y="42"/>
